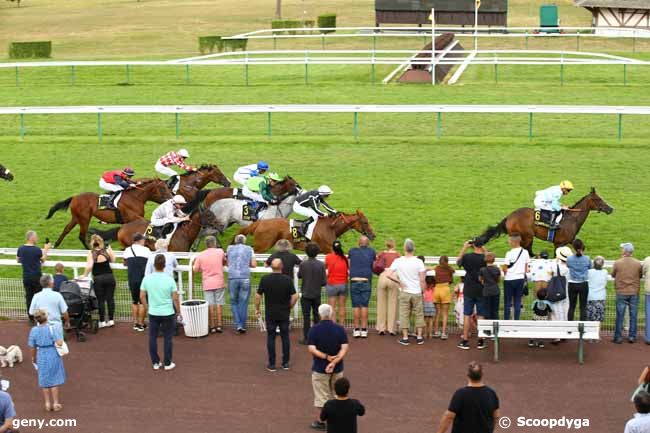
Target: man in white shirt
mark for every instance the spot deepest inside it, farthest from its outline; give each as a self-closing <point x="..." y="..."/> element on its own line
<point x="641" y="421"/>
<point x="515" y="267"/>
<point x="410" y="273"/>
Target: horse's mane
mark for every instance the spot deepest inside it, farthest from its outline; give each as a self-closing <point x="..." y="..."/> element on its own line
<point x="193" y="204"/>
<point x="201" y="167"/>
<point x="580" y="201"/>
<point x="146" y="180"/>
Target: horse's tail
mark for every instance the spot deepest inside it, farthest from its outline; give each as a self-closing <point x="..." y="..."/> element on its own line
<point x="246" y="231"/>
<point x="107" y="235"/>
<point x="492" y="232"/>
<point x="59" y="206"/>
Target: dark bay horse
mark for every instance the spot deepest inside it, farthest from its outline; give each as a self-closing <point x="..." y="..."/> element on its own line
<point x="192" y="181"/>
<point x="130" y="207"/>
<point x="5" y="173"/>
<point x="267" y="232"/>
<point x="202" y="222"/>
<point x="522" y="221"/>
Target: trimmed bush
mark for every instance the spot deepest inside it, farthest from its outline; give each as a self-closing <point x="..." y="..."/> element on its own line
<point x="235" y="44"/>
<point x="285" y="24"/>
<point x="327" y="20"/>
<point x="309" y="24"/>
<point x="208" y="44"/>
<point x="26" y="50"/>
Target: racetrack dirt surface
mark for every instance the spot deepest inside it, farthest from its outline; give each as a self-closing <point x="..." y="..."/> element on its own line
<point x="220" y="384"/>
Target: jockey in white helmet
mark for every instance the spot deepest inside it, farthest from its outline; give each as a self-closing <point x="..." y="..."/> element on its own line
<point x="165" y="162"/>
<point x="169" y="212"/>
<point x="549" y="199"/>
<point x="308" y="204"/>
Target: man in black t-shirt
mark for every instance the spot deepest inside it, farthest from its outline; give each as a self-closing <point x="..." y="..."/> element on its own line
<point x="289" y="259"/>
<point x="473" y="289"/>
<point x="473" y="408"/>
<point x="342" y="412"/>
<point x="279" y="298"/>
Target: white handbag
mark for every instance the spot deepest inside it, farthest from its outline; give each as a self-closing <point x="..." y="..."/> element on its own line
<point x="63" y="349"/>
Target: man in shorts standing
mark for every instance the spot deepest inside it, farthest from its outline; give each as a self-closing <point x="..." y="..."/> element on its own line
<point x="210" y="264"/>
<point x="473" y="289"/>
<point x="135" y="258"/>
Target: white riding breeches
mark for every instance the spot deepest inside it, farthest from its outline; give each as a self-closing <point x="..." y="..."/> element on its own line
<point x="541" y="203"/>
<point x="241" y="178"/>
<point x="160" y="168"/>
<point x="252" y="195"/>
<point x="109" y="186"/>
<point x="308" y="212"/>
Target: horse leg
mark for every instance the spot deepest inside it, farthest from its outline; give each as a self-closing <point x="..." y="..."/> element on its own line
<point x="65" y="231"/>
<point x="83" y="231"/>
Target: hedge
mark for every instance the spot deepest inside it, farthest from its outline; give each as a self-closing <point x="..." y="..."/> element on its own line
<point x="208" y="44"/>
<point x="24" y="50"/>
<point x="234" y="44"/>
<point x="327" y="20"/>
<point x="286" y="24"/>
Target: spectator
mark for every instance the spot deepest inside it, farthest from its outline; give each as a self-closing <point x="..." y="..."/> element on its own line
<point x="210" y="264"/>
<point x="541" y="269"/>
<point x="240" y="259"/>
<point x="314" y="277"/>
<point x="459" y="302"/>
<point x="279" y="298"/>
<point x="51" y="375"/>
<point x="337" y="280"/>
<point x="646" y="273"/>
<point x="341" y="413"/>
<point x="99" y="261"/>
<point x="159" y="296"/>
<point x="597" y="291"/>
<point x="7" y="409"/>
<point x="361" y="260"/>
<point x="489" y="277"/>
<point x="52" y="302"/>
<point x="428" y="307"/>
<point x="59" y="276"/>
<point x="472" y="289"/>
<point x="30" y="258"/>
<point x="170" y="259"/>
<point x="328" y="344"/>
<point x="542" y="309"/>
<point x="627" y="273"/>
<point x="579" y="265"/>
<point x="514" y="281"/>
<point x="135" y="258"/>
<point x="473" y="408"/>
<point x="410" y="273"/>
<point x="283" y="252"/>
<point x="561" y="308"/>
<point x="442" y="296"/>
<point x="641" y="421"/>
<point x="387" y="291"/>
<point x="644" y="382"/>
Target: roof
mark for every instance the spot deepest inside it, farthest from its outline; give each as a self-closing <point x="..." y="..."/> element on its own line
<point x="442" y="5"/>
<point x="627" y="4"/>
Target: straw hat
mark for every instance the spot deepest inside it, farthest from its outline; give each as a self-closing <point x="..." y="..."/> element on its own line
<point x="563" y="253"/>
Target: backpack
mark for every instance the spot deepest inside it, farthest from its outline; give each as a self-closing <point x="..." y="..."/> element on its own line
<point x="556" y="287"/>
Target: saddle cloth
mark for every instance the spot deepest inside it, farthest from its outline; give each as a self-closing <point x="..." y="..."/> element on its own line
<point x="297" y="230"/>
<point x="543" y="217"/>
<point x="156" y="233"/>
<point x="104" y="200"/>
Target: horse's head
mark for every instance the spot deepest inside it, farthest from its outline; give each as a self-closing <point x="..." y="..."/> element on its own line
<point x="595" y="202"/>
<point x="158" y="189"/>
<point x="5" y="173"/>
<point x="363" y="226"/>
<point x="287" y="186"/>
<point x="214" y="174"/>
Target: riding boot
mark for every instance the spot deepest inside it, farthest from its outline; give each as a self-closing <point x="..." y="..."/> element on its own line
<point x="111" y="200"/>
<point x="172" y="182"/>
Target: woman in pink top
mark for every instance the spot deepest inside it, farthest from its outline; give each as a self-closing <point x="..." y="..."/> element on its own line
<point x="210" y="264"/>
<point x="337" y="280"/>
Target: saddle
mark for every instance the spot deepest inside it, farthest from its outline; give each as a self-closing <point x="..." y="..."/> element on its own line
<point x="297" y="228"/>
<point x="154" y="233"/>
<point x="251" y="210"/>
<point x="109" y="201"/>
<point x="544" y="218"/>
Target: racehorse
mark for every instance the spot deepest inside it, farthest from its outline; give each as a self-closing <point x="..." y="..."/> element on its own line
<point x="522" y="221"/>
<point x="5" y="173"/>
<point x="192" y="181"/>
<point x="202" y="222"/>
<point x="130" y="207"/>
<point x="267" y="232"/>
<point x="229" y="210"/>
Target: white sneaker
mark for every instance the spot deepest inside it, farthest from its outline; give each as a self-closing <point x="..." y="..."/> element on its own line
<point x="110" y="323"/>
<point x="364" y="333"/>
<point x="102" y="325"/>
<point x="156" y="366"/>
<point x="170" y="366"/>
<point x="277" y="329"/>
<point x="356" y="333"/>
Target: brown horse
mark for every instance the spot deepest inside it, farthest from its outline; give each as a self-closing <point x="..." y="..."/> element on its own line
<point x="267" y="232"/>
<point x="130" y="207"/>
<point x="192" y="181"/>
<point x="5" y="173"/>
<point x="522" y="221"/>
<point x="202" y="222"/>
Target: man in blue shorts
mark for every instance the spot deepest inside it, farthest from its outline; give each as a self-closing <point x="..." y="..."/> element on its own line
<point x="473" y="291"/>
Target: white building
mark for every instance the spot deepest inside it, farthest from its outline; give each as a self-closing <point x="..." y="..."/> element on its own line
<point x="615" y="17"/>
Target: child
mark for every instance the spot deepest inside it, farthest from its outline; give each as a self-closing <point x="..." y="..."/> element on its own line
<point x="489" y="277"/>
<point x="597" y="278"/>
<point x="541" y="271"/>
<point x="342" y="412"/>
<point x="442" y="296"/>
<point x="59" y="277"/>
<point x="541" y="311"/>
<point x="458" y="308"/>
<point x="428" y="306"/>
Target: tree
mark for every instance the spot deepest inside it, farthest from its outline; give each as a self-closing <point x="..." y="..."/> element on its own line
<point x="278" y="9"/>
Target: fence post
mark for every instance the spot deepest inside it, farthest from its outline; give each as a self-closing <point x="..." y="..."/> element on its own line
<point x="526" y="40"/>
<point x="268" y="124"/>
<point x="530" y="125"/>
<point x="99" y="126"/>
<point x="187" y="74"/>
<point x="577" y="40"/>
<point x="306" y="68"/>
<point x="17" y="78"/>
<point x="178" y="126"/>
<point x="322" y="40"/>
<point x="562" y="70"/>
<point x="624" y="74"/>
<point x="620" y="127"/>
<point x="634" y="43"/>
<point x="22" y="126"/>
<point x="275" y="42"/>
<point x="128" y="74"/>
<point x="438" y="124"/>
<point x="496" y="70"/>
<point x="72" y="76"/>
<point x="356" y="125"/>
<point x="246" y="69"/>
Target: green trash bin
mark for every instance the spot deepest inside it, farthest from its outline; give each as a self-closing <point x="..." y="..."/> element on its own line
<point x="549" y="19"/>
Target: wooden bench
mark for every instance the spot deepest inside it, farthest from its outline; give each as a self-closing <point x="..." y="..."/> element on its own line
<point x="539" y="330"/>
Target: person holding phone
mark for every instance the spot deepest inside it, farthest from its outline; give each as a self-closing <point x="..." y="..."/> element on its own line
<point x="98" y="262"/>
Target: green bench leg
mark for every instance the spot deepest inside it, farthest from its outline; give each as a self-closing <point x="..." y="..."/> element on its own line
<point x="495" y="331"/>
<point x="581" y="344"/>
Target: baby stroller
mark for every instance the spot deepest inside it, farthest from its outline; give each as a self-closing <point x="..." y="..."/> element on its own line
<point x="81" y="301"/>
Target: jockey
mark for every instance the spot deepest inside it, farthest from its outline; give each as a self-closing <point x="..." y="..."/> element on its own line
<point x="244" y="173"/>
<point x="173" y="158"/>
<point x="258" y="190"/>
<point x="115" y="181"/>
<point x="308" y="204"/>
<point x="168" y="214"/>
<point x="549" y="199"/>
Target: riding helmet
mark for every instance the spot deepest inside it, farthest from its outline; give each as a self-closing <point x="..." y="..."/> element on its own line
<point x="275" y="176"/>
<point x="566" y="184"/>
<point x="262" y="165"/>
<point x="179" y="199"/>
<point x="184" y="153"/>
<point x="128" y="171"/>
<point x="324" y="190"/>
